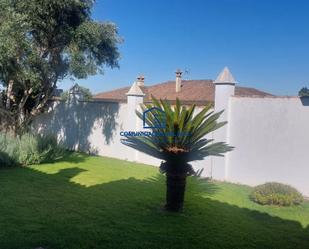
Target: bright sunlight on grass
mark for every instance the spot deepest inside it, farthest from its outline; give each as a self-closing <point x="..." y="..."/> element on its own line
<point x="84" y="202"/>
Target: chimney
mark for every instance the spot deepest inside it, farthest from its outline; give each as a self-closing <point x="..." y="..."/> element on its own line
<point x="178" y="80"/>
<point x="140" y="80"/>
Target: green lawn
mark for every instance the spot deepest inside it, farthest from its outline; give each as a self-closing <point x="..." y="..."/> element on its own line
<point x="92" y="202"/>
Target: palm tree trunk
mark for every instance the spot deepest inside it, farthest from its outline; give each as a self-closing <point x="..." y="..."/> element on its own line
<point x="175" y="191"/>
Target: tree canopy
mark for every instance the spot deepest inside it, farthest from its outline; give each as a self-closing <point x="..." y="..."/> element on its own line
<point x="43" y="42"/>
<point x="84" y="91"/>
<point x="304" y="92"/>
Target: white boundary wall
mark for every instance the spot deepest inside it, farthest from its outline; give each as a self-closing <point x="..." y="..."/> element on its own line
<point x="271" y="139"/>
<point x="92" y="127"/>
<point x="270" y="135"/>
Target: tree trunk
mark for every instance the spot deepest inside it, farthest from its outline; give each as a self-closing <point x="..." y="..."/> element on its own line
<point x="8" y="95"/>
<point x="175" y="191"/>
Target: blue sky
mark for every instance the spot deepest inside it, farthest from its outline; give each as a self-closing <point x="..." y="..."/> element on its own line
<point x="264" y="43"/>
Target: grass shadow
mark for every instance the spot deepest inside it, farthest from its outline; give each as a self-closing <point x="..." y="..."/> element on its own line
<point x="71" y="157"/>
<point x="50" y="211"/>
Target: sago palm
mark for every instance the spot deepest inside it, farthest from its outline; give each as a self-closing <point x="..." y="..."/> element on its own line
<point x="178" y="136"/>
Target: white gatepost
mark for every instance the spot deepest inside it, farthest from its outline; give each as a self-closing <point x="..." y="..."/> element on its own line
<point x="135" y="97"/>
<point x="224" y="89"/>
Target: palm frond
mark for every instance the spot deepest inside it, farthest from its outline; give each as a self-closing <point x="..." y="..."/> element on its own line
<point x="184" y="134"/>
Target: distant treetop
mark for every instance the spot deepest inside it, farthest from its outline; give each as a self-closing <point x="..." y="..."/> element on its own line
<point x="304" y="92"/>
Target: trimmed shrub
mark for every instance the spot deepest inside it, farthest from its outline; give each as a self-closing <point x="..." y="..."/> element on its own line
<point x="273" y="193"/>
<point x="29" y="149"/>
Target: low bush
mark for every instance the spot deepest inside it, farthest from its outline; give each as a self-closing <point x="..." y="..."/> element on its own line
<point x="29" y="149"/>
<point x="273" y="193"/>
<point x="8" y="150"/>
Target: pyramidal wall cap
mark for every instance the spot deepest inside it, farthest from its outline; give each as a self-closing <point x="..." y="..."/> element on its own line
<point x="225" y="77"/>
<point x="135" y="90"/>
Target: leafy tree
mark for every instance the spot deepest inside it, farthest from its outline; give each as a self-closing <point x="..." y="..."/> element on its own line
<point x="304" y="92"/>
<point x="85" y="92"/>
<point x="43" y="42"/>
<point x="179" y="141"/>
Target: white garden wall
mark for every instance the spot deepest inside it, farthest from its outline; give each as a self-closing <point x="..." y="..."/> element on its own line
<point x="92" y="127"/>
<point x="270" y="136"/>
<point x="271" y="139"/>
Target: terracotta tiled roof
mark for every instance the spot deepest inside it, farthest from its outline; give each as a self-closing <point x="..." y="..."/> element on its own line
<point x="192" y="91"/>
